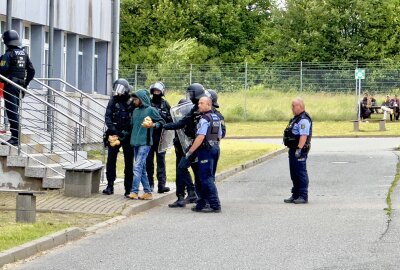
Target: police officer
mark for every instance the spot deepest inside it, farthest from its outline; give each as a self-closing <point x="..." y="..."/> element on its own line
<point x="16" y="66"/>
<point x="157" y="90"/>
<point x="206" y="144"/>
<point x="297" y="137"/>
<point x="189" y="124"/>
<point x="118" y="119"/>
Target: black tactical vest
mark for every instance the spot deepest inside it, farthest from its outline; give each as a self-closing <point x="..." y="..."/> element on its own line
<point x="18" y="60"/>
<point x="292" y="141"/>
<point x="212" y="137"/>
<point x="122" y="116"/>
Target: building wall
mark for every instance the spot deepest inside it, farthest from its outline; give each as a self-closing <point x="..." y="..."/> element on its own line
<point x="82" y="40"/>
<point x="91" y="18"/>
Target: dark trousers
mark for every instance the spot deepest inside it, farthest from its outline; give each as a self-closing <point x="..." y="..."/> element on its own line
<point x="183" y="177"/>
<point x="160" y="160"/>
<point x="208" y="160"/>
<point x="11" y="99"/>
<point x="299" y="175"/>
<point x="128" y="161"/>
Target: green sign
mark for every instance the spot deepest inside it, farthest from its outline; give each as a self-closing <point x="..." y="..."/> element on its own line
<point x="359" y="74"/>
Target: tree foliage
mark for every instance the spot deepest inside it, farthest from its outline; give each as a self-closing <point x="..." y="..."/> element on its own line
<point x="209" y="31"/>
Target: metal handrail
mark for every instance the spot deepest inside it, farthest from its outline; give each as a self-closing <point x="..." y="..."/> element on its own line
<point x="73" y="87"/>
<point x="68" y="99"/>
<point x="42" y="101"/>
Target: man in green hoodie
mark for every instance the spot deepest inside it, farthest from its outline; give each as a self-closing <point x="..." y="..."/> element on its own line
<point x="144" y="119"/>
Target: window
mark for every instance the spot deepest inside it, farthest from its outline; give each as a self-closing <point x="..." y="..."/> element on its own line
<point x="80" y="63"/>
<point x="26" y="36"/>
<point x="2" y="46"/>
<point x="96" y="62"/>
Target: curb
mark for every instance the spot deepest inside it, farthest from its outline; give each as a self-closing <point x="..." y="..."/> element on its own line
<point x="59" y="238"/>
<point x="39" y="245"/>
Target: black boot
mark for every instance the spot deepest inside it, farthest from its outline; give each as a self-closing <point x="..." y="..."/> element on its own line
<point x="162" y="189"/>
<point x="191" y="197"/>
<point x="180" y="202"/>
<point x="109" y="190"/>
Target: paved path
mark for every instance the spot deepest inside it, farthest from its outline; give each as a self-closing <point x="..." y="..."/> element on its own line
<point x="344" y="226"/>
<point x="98" y="204"/>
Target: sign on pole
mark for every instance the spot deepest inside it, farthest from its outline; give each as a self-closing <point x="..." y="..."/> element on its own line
<point x="359" y="74"/>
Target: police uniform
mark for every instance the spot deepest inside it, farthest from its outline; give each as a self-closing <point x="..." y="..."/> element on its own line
<point x="208" y="153"/>
<point x="16" y="66"/>
<point x="298" y="126"/>
<point x="118" y="118"/>
<point x="163" y="108"/>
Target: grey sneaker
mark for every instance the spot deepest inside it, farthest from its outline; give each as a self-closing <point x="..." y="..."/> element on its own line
<point x="300" y="200"/>
<point x="289" y="200"/>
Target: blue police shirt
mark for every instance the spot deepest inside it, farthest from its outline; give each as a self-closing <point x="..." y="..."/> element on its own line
<point x="203" y="125"/>
<point x="302" y="127"/>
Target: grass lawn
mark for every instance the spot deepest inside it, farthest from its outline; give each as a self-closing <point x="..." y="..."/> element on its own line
<point x="233" y="153"/>
<point x="13" y="234"/>
<point x="331" y="128"/>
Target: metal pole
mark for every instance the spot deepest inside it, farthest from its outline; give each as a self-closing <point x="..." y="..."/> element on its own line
<point x="301" y="76"/>
<point x="9" y="14"/>
<point x="245" y="91"/>
<point x="50" y="122"/>
<point x="190" y="74"/>
<point x="20" y="122"/>
<point x="136" y="69"/>
<point x="358" y="101"/>
<point x="115" y="38"/>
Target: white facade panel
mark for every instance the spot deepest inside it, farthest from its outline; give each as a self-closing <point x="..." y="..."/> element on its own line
<point x="90" y="18"/>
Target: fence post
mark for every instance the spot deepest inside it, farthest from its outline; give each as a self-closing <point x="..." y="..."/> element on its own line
<point x="190" y="74"/>
<point x="301" y="76"/>
<point x="245" y="91"/>
<point x="136" y="70"/>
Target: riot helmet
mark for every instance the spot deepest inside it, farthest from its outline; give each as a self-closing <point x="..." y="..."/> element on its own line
<point x="121" y="87"/>
<point x="214" y="98"/>
<point x="157" y="86"/>
<point x="11" y="38"/>
<point x="195" y="91"/>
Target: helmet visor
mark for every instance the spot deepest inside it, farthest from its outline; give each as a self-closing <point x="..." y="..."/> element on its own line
<point x="119" y="90"/>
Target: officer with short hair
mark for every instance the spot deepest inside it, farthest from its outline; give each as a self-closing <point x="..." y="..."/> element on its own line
<point x="189" y="124"/>
<point x="297" y="137"/>
<point x="16" y="66"/>
<point x="157" y="90"/>
<point x="206" y="145"/>
<point x="118" y="118"/>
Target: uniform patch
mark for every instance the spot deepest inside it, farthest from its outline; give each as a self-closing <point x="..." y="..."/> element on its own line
<point x="303" y="126"/>
<point x="204" y="161"/>
<point x="2" y="63"/>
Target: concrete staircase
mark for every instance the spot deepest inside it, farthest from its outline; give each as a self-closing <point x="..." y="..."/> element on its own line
<point x="37" y="152"/>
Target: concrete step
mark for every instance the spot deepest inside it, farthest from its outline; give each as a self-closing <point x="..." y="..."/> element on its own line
<point x="32" y="159"/>
<point x="40" y="171"/>
<point x="4" y="150"/>
<point x="53" y="182"/>
<point x="34" y="137"/>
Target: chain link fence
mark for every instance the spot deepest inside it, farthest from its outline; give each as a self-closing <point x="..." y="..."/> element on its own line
<point x="299" y="76"/>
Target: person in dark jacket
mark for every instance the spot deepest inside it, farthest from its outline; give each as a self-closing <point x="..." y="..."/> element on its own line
<point x="17" y="67"/>
<point x="157" y="90"/>
<point x="118" y="117"/>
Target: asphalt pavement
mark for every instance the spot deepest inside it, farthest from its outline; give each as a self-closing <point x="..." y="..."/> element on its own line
<point x="344" y="225"/>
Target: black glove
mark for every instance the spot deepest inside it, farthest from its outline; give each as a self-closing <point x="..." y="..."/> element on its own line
<point x="297" y="154"/>
<point x="185" y="162"/>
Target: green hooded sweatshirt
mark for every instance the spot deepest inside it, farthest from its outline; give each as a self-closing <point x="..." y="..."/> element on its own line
<point x="143" y="136"/>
